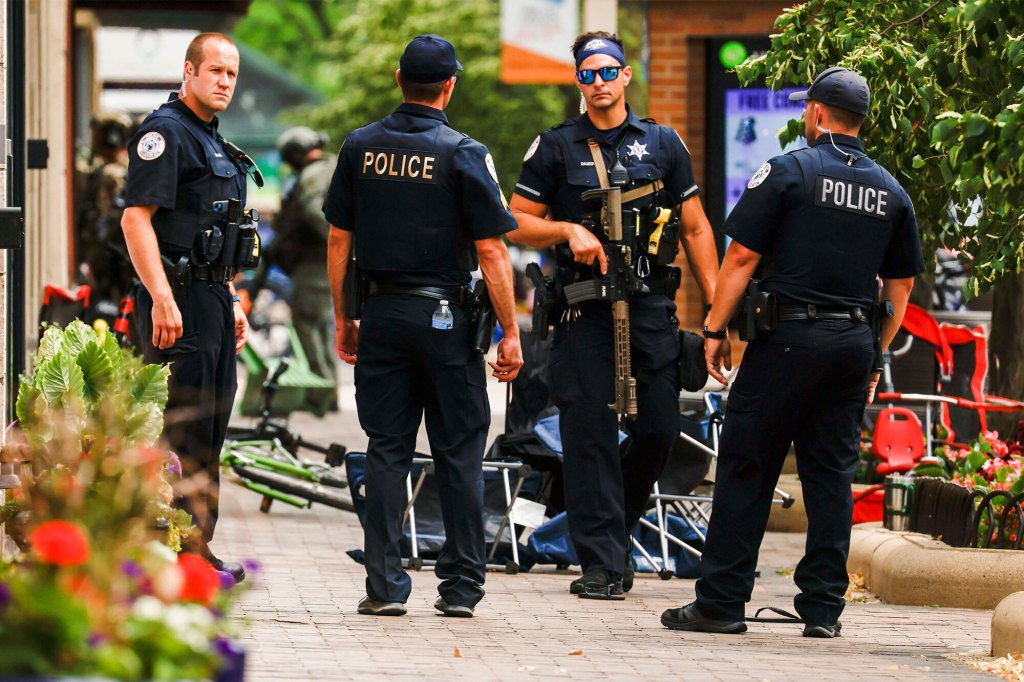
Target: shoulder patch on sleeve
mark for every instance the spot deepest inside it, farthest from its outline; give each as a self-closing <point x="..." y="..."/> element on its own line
<point x="489" y="162"/>
<point x="532" y="150"/>
<point x="760" y="175"/>
<point x="151" y="146"/>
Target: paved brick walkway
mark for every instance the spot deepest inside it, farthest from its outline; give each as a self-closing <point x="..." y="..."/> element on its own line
<point x="303" y="624"/>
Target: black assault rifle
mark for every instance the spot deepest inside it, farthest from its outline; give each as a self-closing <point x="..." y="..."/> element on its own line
<point x="616" y="287"/>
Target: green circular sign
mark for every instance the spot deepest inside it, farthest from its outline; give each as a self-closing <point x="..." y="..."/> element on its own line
<point x="732" y="54"/>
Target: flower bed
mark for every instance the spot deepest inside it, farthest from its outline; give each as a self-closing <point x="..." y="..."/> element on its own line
<point x="99" y="589"/>
<point x="993" y="473"/>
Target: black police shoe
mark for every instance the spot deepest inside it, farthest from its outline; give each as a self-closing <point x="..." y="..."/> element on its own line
<point x="689" y="618"/>
<point x="233" y="568"/>
<point x="628" y="574"/>
<point x="453" y="610"/>
<point x="823" y="631"/>
<point x="376" y="607"/>
<point x="597" y="585"/>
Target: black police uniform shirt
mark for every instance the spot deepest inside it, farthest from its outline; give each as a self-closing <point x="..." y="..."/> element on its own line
<point x="176" y="161"/>
<point x="417" y="194"/>
<point x="826" y="235"/>
<point x="559" y="167"/>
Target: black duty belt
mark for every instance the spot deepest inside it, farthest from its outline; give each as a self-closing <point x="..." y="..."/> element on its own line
<point x="221" y="274"/>
<point x="460" y="296"/>
<point x="812" y="312"/>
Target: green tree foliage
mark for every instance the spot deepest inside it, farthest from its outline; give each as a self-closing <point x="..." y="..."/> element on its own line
<point x="947" y="80"/>
<point x="363" y="53"/>
<point x="294" y="33"/>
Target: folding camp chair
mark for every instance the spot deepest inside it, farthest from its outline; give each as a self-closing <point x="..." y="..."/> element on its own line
<point x="294" y="385"/>
<point x="676" y="499"/>
<point x="422" y="521"/>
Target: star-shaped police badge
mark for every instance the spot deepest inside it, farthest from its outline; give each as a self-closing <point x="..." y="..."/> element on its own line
<point x="638" y="150"/>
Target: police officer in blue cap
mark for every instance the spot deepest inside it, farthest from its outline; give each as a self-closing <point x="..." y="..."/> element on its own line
<point x="606" y="491"/>
<point x="824" y="223"/>
<point x="420" y="205"/>
<point x="182" y="175"/>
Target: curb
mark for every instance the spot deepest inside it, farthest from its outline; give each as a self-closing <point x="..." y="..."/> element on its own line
<point x="915" y="570"/>
<point x="1008" y="626"/>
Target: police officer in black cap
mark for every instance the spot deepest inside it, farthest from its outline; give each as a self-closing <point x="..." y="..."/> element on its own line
<point x="824" y="223"/>
<point x="187" y="312"/>
<point x="420" y="204"/>
<point x="605" y="493"/>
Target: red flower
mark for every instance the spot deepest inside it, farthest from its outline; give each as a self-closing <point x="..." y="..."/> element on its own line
<point x="60" y="542"/>
<point x="201" y="580"/>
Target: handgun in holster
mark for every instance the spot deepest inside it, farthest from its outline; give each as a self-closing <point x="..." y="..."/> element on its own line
<point x="484" y="318"/>
<point x="179" y="276"/>
<point x="882" y="311"/>
<point x="545" y="300"/>
<point x="758" y="312"/>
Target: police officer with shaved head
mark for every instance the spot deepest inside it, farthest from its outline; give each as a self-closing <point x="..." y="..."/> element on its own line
<point x="824" y="224"/>
<point x="419" y="203"/>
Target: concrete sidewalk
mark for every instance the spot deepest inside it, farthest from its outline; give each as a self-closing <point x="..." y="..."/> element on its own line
<point x="303" y="624"/>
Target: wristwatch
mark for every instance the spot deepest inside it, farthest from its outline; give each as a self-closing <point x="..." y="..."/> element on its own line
<point x="718" y="336"/>
<point x="235" y="299"/>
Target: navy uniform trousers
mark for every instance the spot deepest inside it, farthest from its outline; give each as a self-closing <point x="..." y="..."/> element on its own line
<point x="406" y="369"/>
<point x="606" y="491"/>
<point x="201" y="391"/>
<point x="805" y="384"/>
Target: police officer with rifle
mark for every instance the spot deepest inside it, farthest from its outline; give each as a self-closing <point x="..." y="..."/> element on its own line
<point x="615" y="195"/>
<point x="187" y="236"/>
<point x="823" y="223"/>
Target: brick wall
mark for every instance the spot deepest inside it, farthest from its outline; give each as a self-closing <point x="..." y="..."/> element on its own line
<point x="679" y="30"/>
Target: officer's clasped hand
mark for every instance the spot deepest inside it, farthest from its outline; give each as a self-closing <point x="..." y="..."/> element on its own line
<point x="510" y="360"/>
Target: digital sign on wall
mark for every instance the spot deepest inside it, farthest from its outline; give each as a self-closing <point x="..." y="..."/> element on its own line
<point x="753" y="117"/>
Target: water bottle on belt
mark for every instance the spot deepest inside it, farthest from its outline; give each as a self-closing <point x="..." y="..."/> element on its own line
<point x="442" y="317"/>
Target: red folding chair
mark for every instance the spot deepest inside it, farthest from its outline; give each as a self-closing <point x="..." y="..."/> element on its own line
<point x="898" y="440"/>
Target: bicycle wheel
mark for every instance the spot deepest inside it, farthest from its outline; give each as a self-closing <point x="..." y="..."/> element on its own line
<point x="307" y="490"/>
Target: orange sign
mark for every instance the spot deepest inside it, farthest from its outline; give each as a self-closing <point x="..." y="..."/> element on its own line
<point x="536" y="40"/>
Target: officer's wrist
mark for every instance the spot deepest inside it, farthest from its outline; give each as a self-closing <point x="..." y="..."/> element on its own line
<point x="716" y="334"/>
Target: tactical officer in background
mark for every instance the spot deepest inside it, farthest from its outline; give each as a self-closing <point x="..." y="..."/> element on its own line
<point x="824" y="222"/>
<point x="180" y="244"/>
<point x="300" y="249"/>
<point x="605" y="495"/>
<point x="98" y="218"/>
<point x="421" y="203"/>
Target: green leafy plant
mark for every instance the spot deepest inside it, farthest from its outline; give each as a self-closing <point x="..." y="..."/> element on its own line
<point x="88" y="379"/>
<point x="99" y="588"/>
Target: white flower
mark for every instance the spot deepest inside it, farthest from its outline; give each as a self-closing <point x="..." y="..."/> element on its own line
<point x="148" y="608"/>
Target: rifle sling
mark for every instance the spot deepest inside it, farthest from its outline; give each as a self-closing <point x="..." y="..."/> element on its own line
<point x="602" y="176"/>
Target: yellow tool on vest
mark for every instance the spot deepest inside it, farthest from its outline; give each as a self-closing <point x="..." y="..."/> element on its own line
<point x="659" y="224"/>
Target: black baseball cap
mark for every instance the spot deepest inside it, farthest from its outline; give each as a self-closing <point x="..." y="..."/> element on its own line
<point x="838" y="87"/>
<point x="428" y="59"/>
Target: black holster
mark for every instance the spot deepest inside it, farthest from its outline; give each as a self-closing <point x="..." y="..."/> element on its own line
<point x="484" y="318"/>
<point x="758" y="312"/>
<point x="179" y="276"/>
<point x="354" y="290"/>
<point x="691" y="366"/>
<point x="882" y="311"/>
<point x="546" y="300"/>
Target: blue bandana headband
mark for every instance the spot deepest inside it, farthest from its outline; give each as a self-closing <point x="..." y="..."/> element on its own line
<point x="600" y="46"/>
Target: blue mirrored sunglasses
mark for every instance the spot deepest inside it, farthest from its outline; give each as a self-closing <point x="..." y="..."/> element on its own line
<point x="607" y="73"/>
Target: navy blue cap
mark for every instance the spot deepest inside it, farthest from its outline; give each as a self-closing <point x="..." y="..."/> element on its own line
<point x="428" y="59"/>
<point x="838" y="87"/>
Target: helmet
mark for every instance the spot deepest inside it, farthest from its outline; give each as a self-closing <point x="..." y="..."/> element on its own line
<point x="114" y="126"/>
<point x="295" y="142"/>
